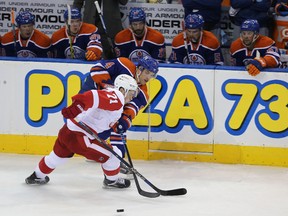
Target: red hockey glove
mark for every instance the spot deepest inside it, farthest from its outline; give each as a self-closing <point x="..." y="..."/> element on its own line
<point x="123" y="124"/>
<point x="281" y="9"/>
<point x="255" y="66"/>
<point x="74" y="109"/>
<point x="91" y="56"/>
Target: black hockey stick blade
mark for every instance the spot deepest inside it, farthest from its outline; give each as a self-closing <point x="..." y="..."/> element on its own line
<point x="175" y="192"/>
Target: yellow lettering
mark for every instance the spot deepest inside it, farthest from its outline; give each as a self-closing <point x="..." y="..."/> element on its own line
<point x="142" y="119"/>
<point x="186" y="104"/>
<point x="248" y="93"/>
<point x="39" y="100"/>
<point x="73" y="87"/>
<point x="279" y="106"/>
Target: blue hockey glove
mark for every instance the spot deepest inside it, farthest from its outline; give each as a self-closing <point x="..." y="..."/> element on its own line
<point x="123" y="124"/>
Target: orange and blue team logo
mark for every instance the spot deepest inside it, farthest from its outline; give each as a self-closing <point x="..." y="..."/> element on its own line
<point x="137" y="54"/>
<point x="195" y="59"/>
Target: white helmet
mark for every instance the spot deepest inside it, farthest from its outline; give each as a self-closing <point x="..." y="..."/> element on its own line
<point x="126" y="82"/>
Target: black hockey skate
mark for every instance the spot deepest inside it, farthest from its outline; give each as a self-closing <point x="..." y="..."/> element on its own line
<point x="119" y="183"/>
<point x="124" y="170"/>
<point x="34" y="180"/>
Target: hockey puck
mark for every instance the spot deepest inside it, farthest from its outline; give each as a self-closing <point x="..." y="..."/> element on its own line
<point x="120" y="210"/>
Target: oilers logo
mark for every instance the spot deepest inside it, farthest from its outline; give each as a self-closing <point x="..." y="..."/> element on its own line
<point x="26" y="54"/>
<point x="78" y="53"/>
<point x="138" y="54"/>
<point x="195" y="59"/>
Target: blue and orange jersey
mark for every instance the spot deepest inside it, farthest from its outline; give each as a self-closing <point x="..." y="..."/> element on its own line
<point x="103" y="74"/>
<point x="240" y="55"/>
<point x="88" y="38"/>
<point x="37" y="45"/>
<point x="206" y="52"/>
<point x="152" y="44"/>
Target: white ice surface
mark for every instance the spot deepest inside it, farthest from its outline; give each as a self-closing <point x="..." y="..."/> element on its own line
<point x="75" y="189"/>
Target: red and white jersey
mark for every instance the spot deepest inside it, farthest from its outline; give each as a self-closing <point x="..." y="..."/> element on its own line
<point x="265" y="46"/>
<point x="102" y="110"/>
<point x="152" y="44"/>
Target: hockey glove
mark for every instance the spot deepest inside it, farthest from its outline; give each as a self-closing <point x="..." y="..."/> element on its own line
<point x="74" y="109"/>
<point x="91" y="56"/>
<point x="255" y="66"/>
<point x="281" y="9"/>
<point x="123" y="124"/>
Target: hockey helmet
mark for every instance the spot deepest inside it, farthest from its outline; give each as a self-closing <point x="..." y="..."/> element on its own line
<point x="75" y="14"/>
<point x="194" y="21"/>
<point x="25" y="17"/>
<point x="137" y="14"/>
<point x="250" y="25"/>
<point x="149" y="63"/>
<point x="126" y="82"/>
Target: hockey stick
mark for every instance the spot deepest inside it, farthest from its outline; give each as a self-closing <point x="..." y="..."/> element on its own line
<point x="185" y="42"/>
<point x="104" y="27"/>
<point x="174" y="192"/>
<point x="69" y="31"/>
<point x="13" y="29"/>
<point x="140" y="191"/>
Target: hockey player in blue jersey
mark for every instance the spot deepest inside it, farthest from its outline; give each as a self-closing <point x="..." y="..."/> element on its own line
<point x="78" y="41"/>
<point x="139" y="40"/>
<point x="195" y="45"/>
<point x="26" y="41"/>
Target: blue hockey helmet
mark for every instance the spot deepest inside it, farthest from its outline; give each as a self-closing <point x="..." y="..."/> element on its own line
<point x="137" y="14"/>
<point x="250" y="25"/>
<point x="149" y="63"/>
<point x="75" y="14"/>
<point x="194" y="21"/>
<point x="25" y="17"/>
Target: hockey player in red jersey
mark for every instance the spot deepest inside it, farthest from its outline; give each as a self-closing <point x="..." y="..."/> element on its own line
<point x="99" y="110"/>
<point x="26" y="41"/>
<point x="104" y="73"/>
<point x="253" y="50"/>
<point x="139" y="40"/>
<point x="77" y="41"/>
<point x="195" y="45"/>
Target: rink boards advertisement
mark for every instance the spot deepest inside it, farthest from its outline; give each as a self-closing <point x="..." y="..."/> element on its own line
<point x="202" y="114"/>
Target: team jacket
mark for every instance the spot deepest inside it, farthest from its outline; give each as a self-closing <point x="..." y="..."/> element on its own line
<point x="37" y="45"/>
<point x="206" y="52"/>
<point x="87" y="39"/>
<point x="209" y="9"/>
<point x="251" y="10"/>
<point x="240" y="55"/>
<point x="102" y="110"/>
<point x="152" y="43"/>
<point x="105" y="72"/>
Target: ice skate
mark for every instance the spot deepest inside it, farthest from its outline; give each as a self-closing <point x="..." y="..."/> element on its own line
<point x="34" y="180"/>
<point x="119" y="183"/>
<point x="126" y="172"/>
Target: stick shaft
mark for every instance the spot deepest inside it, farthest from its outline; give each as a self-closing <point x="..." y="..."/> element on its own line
<point x="185" y="42"/>
<point x="13" y="29"/>
<point x="69" y="31"/>
<point x="174" y="192"/>
<point x="140" y="191"/>
<point x="104" y="27"/>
